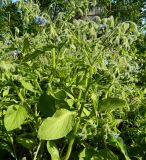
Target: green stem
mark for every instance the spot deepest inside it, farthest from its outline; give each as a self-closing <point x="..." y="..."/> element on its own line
<point x="14" y="149"/>
<point x="80" y="108"/>
<point x="71" y="141"/>
<point x="37" y="85"/>
<point x="37" y="151"/>
<point x="53" y="58"/>
<point x="61" y="152"/>
<point x="18" y="93"/>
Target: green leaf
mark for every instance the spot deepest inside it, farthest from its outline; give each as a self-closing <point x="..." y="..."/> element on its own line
<point x="120" y="144"/>
<point x="6" y="91"/>
<point x="53" y="150"/>
<point x="57" y="126"/>
<point x="14" y="117"/>
<point x="60" y="95"/>
<point x="27" y="86"/>
<point x="95" y="101"/>
<point x="46" y="105"/>
<point x="70" y="102"/>
<point x="104" y="154"/>
<point x="111" y="104"/>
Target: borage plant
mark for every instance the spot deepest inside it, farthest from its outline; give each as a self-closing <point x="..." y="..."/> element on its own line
<point x="66" y="88"/>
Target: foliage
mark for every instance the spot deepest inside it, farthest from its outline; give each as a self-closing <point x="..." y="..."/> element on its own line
<point x="69" y="88"/>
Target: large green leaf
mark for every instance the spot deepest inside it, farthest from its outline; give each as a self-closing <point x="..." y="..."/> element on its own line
<point x="53" y="150"/>
<point x="110" y="104"/>
<point x="14" y="117"/>
<point x="57" y="126"/>
<point x="46" y="105"/>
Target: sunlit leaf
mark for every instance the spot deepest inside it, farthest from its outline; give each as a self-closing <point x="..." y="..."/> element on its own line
<point x="57" y="126"/>
<point x="14" y="117"/>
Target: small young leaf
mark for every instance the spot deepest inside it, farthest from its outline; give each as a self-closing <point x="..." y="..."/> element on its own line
<point x="53" y="150"/>
<point x="57" y="126"/>
<point x="6" y="91"/>
<point x="70" y="102"/>
<point x="14" y="117"/>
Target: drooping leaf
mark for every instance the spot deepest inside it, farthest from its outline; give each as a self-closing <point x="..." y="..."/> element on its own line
<point x="14" y="117"/>
<point x="46" y="105"/>
<point x="57" y="126"/>
<point x="53" y="150"/>
<point x="27" y="85"/>
<point x="110" y="104"/>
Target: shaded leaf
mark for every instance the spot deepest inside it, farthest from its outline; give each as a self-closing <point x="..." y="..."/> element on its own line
<point x="46" y="105"/>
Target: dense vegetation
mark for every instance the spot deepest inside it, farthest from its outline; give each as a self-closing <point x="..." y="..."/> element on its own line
<point x="72" y="86"/>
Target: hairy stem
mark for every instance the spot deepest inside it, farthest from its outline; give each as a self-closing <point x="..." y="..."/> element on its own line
<point x="80" y="110"/>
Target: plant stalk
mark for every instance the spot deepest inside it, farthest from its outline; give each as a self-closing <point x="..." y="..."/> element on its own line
<point x="53" y="58"/>
<point x="37" y="85"/>
<point x="37" y="151"/>
<point x="80" y="108"/>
